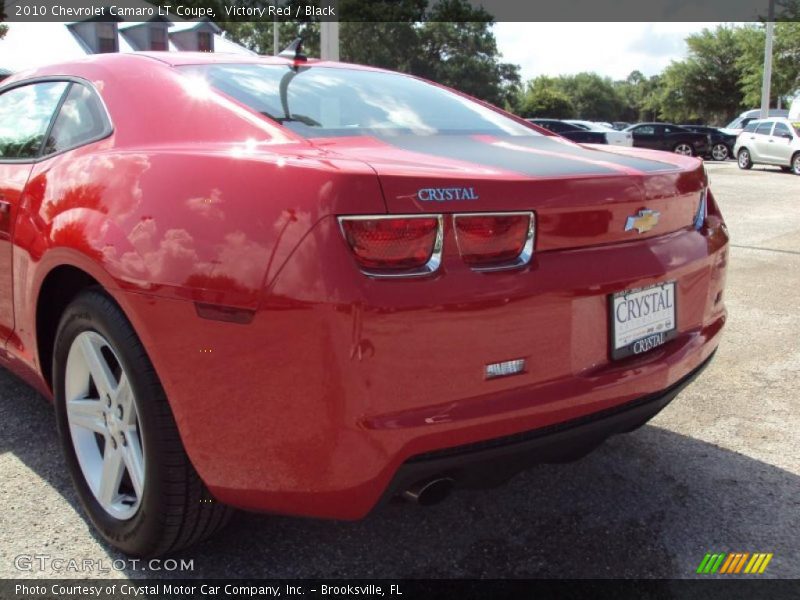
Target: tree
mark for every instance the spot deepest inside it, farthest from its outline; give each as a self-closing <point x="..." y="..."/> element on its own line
<point x="785" y="62"/>
<point x="543" y="100"/>
<point x="640" y="96"/>
<point x="595" y="97"/>
<point x="451" y="43"/>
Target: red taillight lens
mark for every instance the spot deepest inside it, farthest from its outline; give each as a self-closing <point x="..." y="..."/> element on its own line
<point x="497" y="239"/>
<point x="393" y="243"/>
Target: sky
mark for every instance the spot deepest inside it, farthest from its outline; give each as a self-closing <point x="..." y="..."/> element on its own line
<point x="609" y="49"/>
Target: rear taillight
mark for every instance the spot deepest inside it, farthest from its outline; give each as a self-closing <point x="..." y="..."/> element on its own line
<point x="395" y="246"/>
<point x="495" y="241"/>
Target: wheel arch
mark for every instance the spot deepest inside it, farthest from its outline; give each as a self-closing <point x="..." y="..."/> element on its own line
<point x="60" y="283"/>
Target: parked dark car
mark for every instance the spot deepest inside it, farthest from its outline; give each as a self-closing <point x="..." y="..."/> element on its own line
<point x="720" y="143"/>
<point x="570" y="131"/>
<point x="669" y="137"/>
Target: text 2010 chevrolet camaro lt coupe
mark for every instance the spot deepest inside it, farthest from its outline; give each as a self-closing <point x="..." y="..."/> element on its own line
<point x="307" y="287"/>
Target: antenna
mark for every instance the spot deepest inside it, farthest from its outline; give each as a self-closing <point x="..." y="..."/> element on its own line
<point x="294" y="51"/>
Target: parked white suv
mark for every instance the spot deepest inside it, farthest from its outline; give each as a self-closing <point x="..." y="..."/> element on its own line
<point x="774" y="141"/>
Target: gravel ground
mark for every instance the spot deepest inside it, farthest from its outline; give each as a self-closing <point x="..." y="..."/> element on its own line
<point x="718" y="470"/>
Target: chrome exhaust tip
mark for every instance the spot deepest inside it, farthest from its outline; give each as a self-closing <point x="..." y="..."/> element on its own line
<point x="430" y="491"/>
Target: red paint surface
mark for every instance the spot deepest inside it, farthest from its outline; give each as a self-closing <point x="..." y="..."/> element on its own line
<point x="310" y="407"/>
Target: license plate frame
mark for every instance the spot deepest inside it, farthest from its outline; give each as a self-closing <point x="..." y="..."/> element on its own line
<point x="646" y="335"/>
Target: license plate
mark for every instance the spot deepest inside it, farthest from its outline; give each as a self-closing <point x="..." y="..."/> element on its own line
<point x="642" y="319"/>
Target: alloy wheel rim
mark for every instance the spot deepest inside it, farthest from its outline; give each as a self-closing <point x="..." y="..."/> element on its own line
<point x="683" y="149"/>
<point x="719" y="152"/>
<point x="104" y="425"/>
<point x="797" y="165"/>
<point x="743" y="159"/>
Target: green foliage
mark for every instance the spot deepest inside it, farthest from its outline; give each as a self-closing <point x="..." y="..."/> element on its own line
<point x="720" y="77"/>
<point x="451" y="43"/>
<point x="704" y="86"/>
<point x="584" y="96"/>
<point x="640" y="96"/>
<point x="542" y="99"/>
<point x="785" y="62"/>
<point x="3" y="30"/>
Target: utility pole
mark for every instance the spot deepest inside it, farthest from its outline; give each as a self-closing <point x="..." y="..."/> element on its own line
<point x="329" y="35"/>
<point x="276" y="34"/>
<point x="766" y="83"/>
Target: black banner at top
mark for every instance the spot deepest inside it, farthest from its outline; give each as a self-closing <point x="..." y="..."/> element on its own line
<point x="405" y="10"/>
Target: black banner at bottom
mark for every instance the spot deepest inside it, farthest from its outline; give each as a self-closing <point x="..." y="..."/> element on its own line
<point x="401" y="589"/>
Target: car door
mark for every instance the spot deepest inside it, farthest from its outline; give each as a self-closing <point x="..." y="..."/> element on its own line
<point x="760" y="141"/>
<point x="26" y="114"/>
<point x="646" y="136"/>
<point x="780" y="144"/>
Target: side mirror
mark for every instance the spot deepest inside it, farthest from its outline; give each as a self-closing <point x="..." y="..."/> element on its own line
<point x="788" y="136"/>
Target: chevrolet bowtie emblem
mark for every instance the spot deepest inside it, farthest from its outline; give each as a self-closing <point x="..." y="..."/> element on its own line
<point x="645" y="220"/>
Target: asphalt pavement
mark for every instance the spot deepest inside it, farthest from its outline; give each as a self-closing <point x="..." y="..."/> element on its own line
<point x="717" y="471"/>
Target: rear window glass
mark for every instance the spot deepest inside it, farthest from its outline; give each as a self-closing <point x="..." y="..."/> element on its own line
<point x="81" y="119"/>
<point x="780" y="129"/>
<point x="323" y="102"/>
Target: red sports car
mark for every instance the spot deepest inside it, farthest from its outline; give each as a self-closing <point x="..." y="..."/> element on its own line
<point x="304" y="287"/>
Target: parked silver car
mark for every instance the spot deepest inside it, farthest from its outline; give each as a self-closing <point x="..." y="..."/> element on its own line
<point x="774" y="141"/>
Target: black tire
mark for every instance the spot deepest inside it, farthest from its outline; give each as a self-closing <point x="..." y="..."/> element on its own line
<point x="176" y="509"/>
<point x="796" y="163"/>
<point x="744" y="160"/>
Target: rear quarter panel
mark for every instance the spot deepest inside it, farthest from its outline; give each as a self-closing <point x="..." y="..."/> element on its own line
<point x="188" y="198"/>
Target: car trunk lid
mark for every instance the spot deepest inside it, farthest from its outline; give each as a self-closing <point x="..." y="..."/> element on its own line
<point x="582" y="195"/>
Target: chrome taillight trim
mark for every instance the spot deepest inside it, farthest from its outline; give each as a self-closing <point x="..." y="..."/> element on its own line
<point x="702" y="210"/>
<point x="428" y="268"/>
<point x="527" y="249"/>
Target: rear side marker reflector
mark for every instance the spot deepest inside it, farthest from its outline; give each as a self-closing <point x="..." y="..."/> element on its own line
<point x="504" y="369"/>
<point x="229" y="314"/>
<point x="495" y="241"/>
<point x="395" y="246"/>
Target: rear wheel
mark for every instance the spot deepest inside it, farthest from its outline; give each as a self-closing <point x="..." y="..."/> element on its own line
<point x="119" y="437"/>
<point x="719" y="152"/>
<point x="744" y="160"/>
<point x="684" y="149"/>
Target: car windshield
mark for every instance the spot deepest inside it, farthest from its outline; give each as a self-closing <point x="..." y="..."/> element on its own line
<point x="737" y="123"/>
<point x="325" y="102"/>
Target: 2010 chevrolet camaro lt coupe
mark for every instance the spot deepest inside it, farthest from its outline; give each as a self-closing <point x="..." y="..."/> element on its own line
<point x="306" y="288"/>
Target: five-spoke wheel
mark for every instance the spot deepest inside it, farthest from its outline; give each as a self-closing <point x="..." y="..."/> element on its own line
<point x="719" y="152"/>
<point x="104" y="425"/>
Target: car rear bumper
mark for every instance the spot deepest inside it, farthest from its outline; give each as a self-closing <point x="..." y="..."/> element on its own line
<point x="316" y="405"/>
<point x="492" y="462"/>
